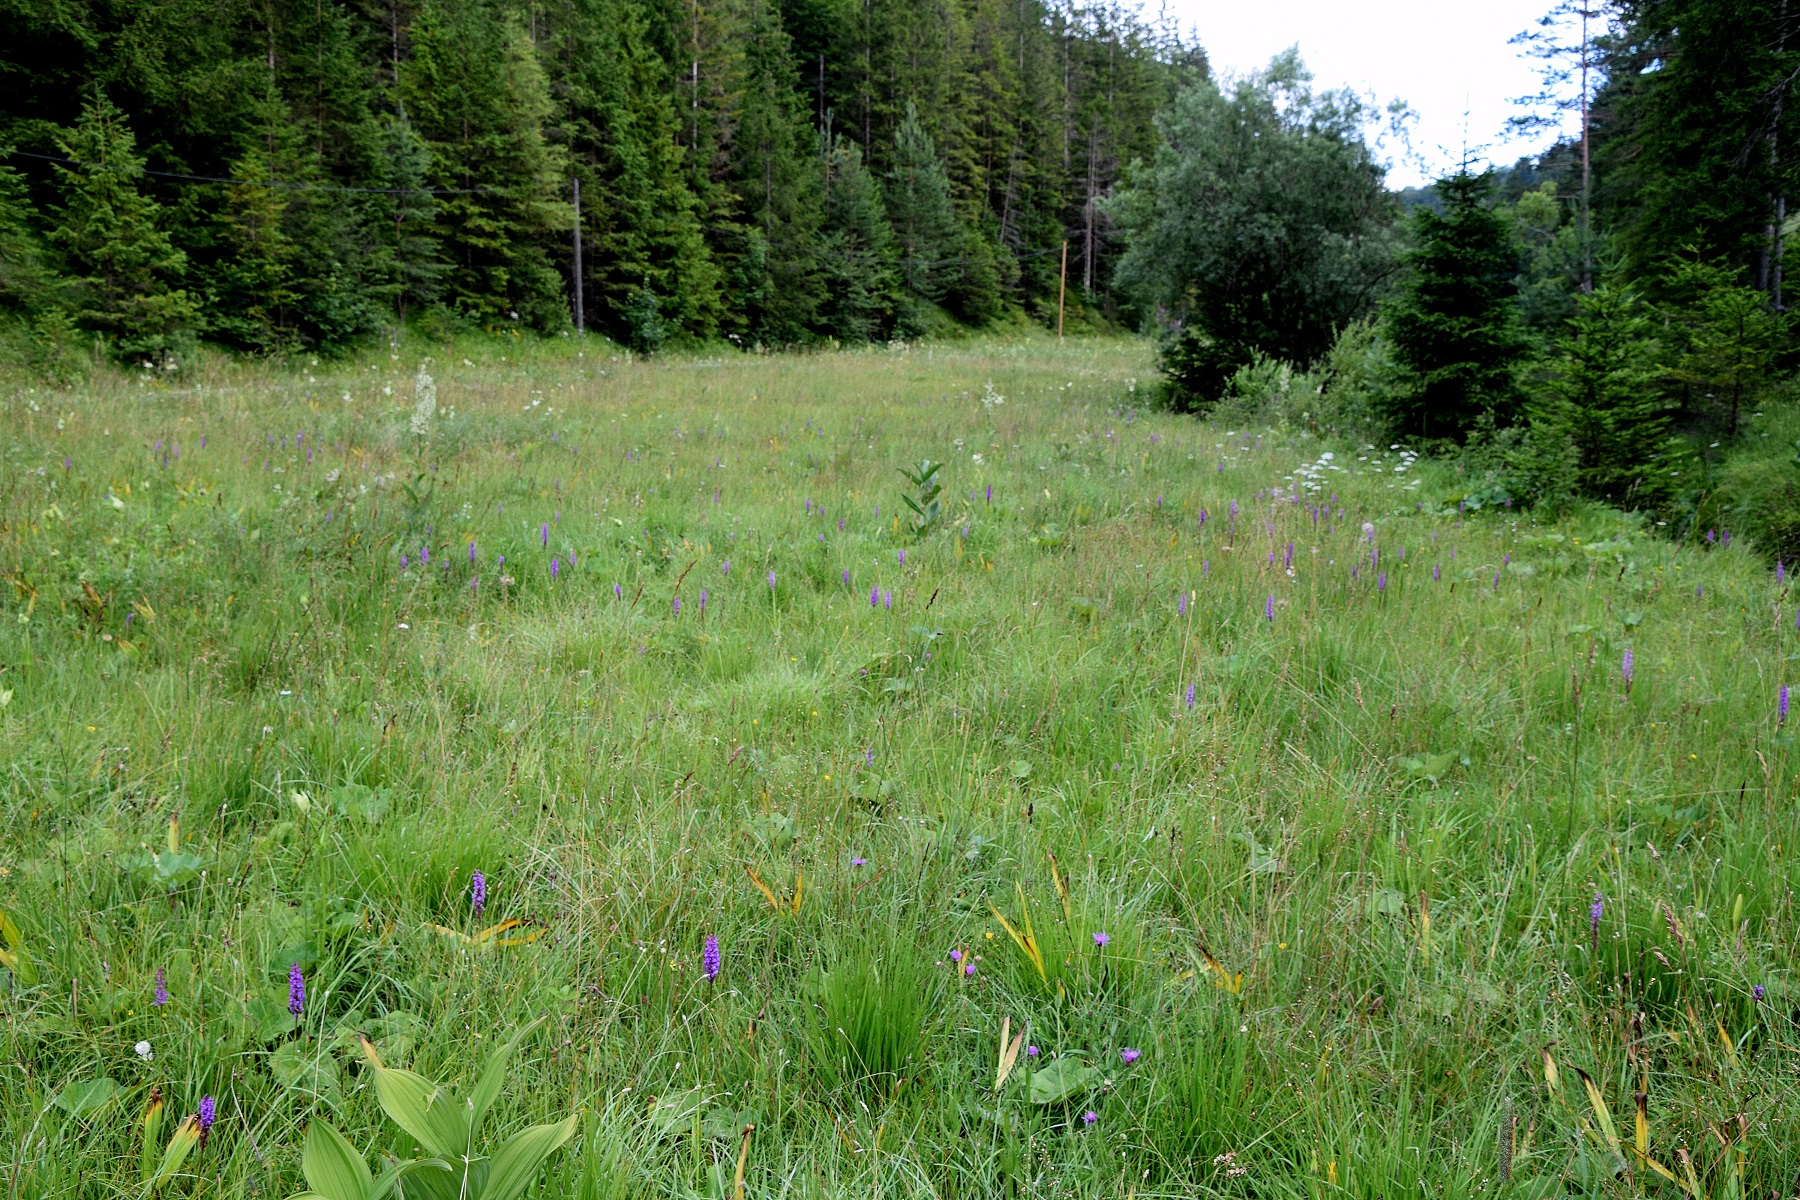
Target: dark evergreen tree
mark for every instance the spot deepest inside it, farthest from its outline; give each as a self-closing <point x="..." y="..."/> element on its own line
<point x="124" y="266"/>
<point x="406" y="267"/>
<point x="928" y="234"/>
<point x="1454" y="326"/>
<point x="1604" y="393"/>
<point x="862" y="288"/>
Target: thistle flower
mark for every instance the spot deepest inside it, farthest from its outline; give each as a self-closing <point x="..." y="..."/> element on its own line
<point x="709" y="957"/>
<point x="161" y="996"/>
<point x="1130" y="1056"/>
<point x="477" y="892"/>
<point x="1626" y="663"/>
<point x="296" y="990"/>
<point x="1100" y="939"/>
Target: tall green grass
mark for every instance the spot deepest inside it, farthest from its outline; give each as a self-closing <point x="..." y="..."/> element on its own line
<point x="1343" y="860"/>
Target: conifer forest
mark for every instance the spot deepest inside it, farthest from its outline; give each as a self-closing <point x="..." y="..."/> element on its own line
<point x="947" y="599"/>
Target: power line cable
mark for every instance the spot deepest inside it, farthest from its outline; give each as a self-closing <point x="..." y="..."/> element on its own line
<point x="262" y="183"/>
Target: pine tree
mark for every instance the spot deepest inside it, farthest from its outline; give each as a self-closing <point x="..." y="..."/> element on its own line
<point x="1454" y="326"/>
<point x="125" y="266"/>
<point x="1603" y="395"/>
<point x="856" y="249"/>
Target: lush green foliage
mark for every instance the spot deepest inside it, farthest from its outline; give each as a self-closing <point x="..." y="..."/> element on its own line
<point x="1259" y="228"/>
<point x="365" y="165"/>
<point x="270" y="697"/>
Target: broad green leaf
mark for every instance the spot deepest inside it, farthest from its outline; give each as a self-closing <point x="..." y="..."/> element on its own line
<point x="305" y="1067"/>
<point x="88" y="1096"/>
<point x="396" y="1172"/>
<point x="425" y="1110"/>
<point x="1062" y="1079"/>
<point x="332" y="1166"/>
<point x="516" y="1163"/>
<point x="493" y="1078"/>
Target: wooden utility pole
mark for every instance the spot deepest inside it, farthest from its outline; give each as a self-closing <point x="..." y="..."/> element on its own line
<point x="580" y="308"/>
<point x="1062" y="289"/>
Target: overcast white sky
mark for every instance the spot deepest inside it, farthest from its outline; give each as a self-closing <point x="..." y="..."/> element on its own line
<point x="1443" y="57"/>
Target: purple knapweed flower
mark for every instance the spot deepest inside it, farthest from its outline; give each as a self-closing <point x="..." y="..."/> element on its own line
<point x="709" y="957"/>
<point x="859" y="862"/>
<point x="1031" y="1052"/>
<point x="956" y="956"/>
<point x="1100" y="939"/>
<point x="1090" y="1116"/>
<point x="1130" y="1056"/>
<point x="296" y="990"/>
<point x="969" y="970"/>
<point x="161" y="996"/>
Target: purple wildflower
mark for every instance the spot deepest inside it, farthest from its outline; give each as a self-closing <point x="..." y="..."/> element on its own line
<point x="1205" y="567"/>
<point x="1190" y="696"/>
<point x="969" y="970"/>
<point x="1089" y="1117"/>
<point x="1381" y="581"/>
<point x="1269" y="608"/>
<point x="477" y="893"/>
<point x="1181" y="604"/>
<point x="869" y="756"/>
<point x="956" y="956"/>
<point x="859" y="862"/>
<point x="840" y="524"/>
<point x="162" y="989"/>
<point x="1100" y="939"/>
<point x="296" y="990"/>
<point x="424" y="556"/>
<point x="204" y="1119"/>
<point x="771" y="577"/>
<point x="709" y="957"/>
<point x="903" y="558"/>
<point x="1626" y="663"/>
<point x="875" y="597"/>
<point x="1290" y="555"/>
<point x="1130" y="1056"/>
<point x="403" y="561"/>
<point x="703" y="600"/>
<point x="725" y="567"/>
<point x="1031" y="1052"/>
<point x="1757" y="992"/>
<point x="618" y="592"/>
<point x="887" y="599"/>
<point x="1596" y="910"/>
<point x="676" y="606"/>
<point x="1782" y="705"/>
<point x="1780" y="571"/>
<point x="1234" y="510"/>
<point x="555" y="565"/>
<point x="846" y="576"/>
<point x="1435" y="574"/>
<point x="544" y="534"/>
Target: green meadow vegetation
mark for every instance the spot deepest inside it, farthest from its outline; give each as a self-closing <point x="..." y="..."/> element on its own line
<point x="910" y="771"/>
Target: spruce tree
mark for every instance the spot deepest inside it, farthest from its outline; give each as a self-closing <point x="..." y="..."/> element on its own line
<point x="406" y="265"/>
<point x="856" y="249"/>
<point x="125" y="266"/>
<point x="1454" y="326"/>
<point x="1603" y="396"/>
<point x="24" y="276"/>
<point x="927" y="233"/>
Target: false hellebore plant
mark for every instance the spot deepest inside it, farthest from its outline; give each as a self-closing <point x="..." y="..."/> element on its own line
<point x="448" y="1131"/>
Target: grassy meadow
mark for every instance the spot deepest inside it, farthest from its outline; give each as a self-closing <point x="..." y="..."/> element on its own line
<point x="1185" y="810"/>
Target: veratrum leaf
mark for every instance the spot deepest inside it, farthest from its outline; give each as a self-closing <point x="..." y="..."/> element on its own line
<point x="425" y="1110"/>
<point x="187" y="1134"/>
<point x="88" y="1096"/>
<point x="1060" y="1080"/>
<point x="493" y="1078"/>
<point x="332" y="1166"/>
<point x="516" y="1163"/>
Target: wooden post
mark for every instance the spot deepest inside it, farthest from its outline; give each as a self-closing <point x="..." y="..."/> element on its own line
<point x="580" y="308"/>
<point x="1062" y="289"/>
